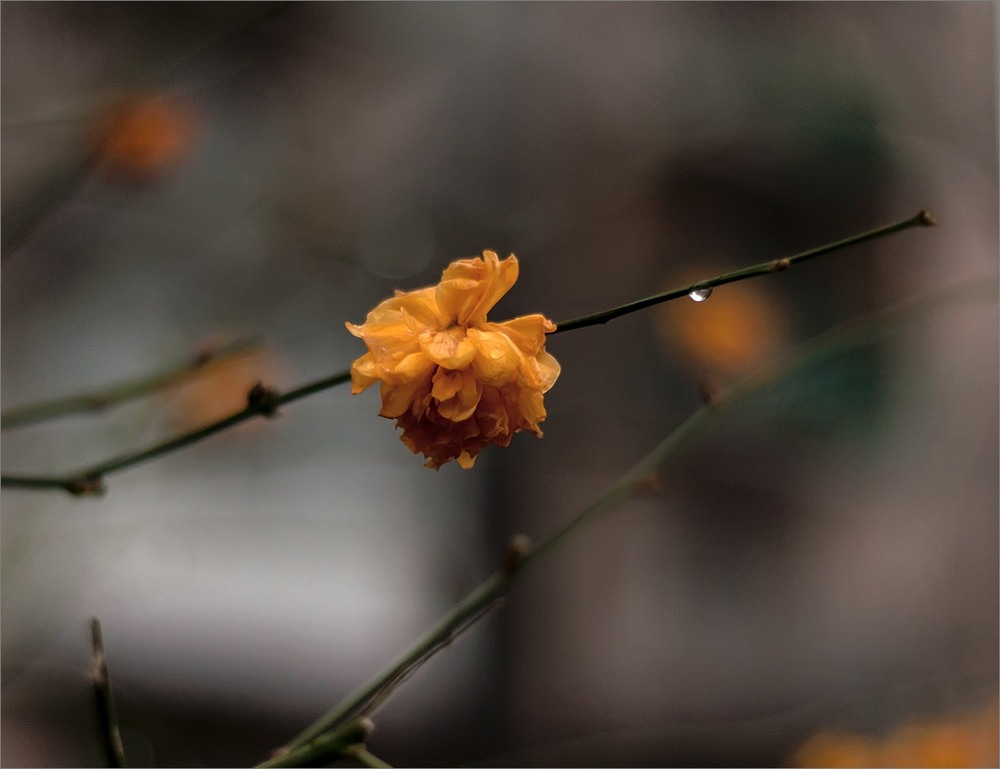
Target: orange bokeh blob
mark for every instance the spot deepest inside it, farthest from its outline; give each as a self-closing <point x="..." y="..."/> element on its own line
<point x="962" y="742"/>
<point x="146" y="136"/>
<point x="219" y="388"/>
<point x="738" y="328"/>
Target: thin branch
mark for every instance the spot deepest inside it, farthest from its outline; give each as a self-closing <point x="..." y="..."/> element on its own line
<point x="264" y="402"/>
<point x="361" y="754"/>
<point x="116" y="394"/>
<point x="704" y="287"/>
<point x="111" y="739"/>
<point x="340" y="741"/>
<point x="261" y="401"/>
<point x="861" y="331"/>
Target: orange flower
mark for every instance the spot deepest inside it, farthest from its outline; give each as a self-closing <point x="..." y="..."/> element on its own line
<point x="452" y="380"/>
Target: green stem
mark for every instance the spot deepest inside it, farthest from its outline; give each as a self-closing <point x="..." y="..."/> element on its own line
<point x="365" y="758"/>
<point x="462" y="615"/>
<point x="106" y="397"/>
<point x="865" y="330"/>
<point x="922" y="219"/>
<point x="111" y="739"/>
<point x="336" y="743"/>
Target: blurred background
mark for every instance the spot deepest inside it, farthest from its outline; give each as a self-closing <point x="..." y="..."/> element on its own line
<point x="813" y="582"/>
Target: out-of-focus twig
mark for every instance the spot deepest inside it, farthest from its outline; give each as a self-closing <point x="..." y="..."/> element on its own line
<point x="116" y="394"/>
<point x="344" y="740"/>
<point x="111" y="739"/>
<point x="361" y="754"/>
<point x="261" y="402"/>
<point x="864" y="330"/>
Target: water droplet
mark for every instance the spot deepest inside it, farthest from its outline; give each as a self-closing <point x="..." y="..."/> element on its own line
<point x="700" y="294"/>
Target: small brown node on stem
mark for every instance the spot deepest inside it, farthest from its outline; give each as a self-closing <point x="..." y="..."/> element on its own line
<point x="261" y="399"/>
<point x="203" y="357"/>
<point x="98" y="402"/>
<point x="652" y="483"/>
<point x="517" y="549"/>
<point x="87" y="486"/>
<point x="926" y="219"/>
<point x="780" y="265"/>
<point x="708" y="391"/>
<point x="365" y="726"/>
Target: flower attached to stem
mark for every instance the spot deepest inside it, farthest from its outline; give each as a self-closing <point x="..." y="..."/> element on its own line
<point x="453" y="381"/>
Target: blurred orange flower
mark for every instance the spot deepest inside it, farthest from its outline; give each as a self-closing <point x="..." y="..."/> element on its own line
<point x="454" y="382"/>
<point x="968" y="742"/>
<point x="146" y="136"/>
<point x="219" y="388"/>
<point x="739" y="328"/>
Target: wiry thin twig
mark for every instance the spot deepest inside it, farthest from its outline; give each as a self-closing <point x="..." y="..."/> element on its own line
<point x="865" y="330"/>
<point x="111" y="739"/>
<point x="922" y="219"/>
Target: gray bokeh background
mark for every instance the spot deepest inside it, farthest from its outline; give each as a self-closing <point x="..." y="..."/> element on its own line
<point x="825" y="557"/>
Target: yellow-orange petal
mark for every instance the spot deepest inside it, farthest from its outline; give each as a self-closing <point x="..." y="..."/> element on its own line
<point x="497" y="360"/>
<point x="413" y="367"/>
<point x="450" y="348"/>
<point x="422" y="308"/>
<point x="397" y="399"/>
<point x="388" y="342"/>
<point x="445" y="383"/>
<point x="462" y="404"/>
<point x="531" y="407"/>
<point x="364" y="373"/>
<point x="527" y="331"/>
<point x="541" y="371"/>
<point x="470" y="287"/>
<point x="405" y="384"/>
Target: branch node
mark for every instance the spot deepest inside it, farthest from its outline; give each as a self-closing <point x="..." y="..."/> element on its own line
<point x="652" y="483"/>
<point x="708" y="391"/>
<point x="780" y="265"/>
<point x="365" y="728"/>
<point x="86" y="486"/>
<point x="517" y="549"/>
<point x="261" y="399"/>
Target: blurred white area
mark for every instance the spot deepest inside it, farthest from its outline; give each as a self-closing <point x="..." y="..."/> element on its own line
<point x="835" y="543"/>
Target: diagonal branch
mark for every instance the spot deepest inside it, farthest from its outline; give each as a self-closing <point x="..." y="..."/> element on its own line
<point x="856" y="333"/>
<point x="111" y="739"/>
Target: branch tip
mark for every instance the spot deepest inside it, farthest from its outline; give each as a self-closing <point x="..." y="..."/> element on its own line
<point x="926" y="219"/>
